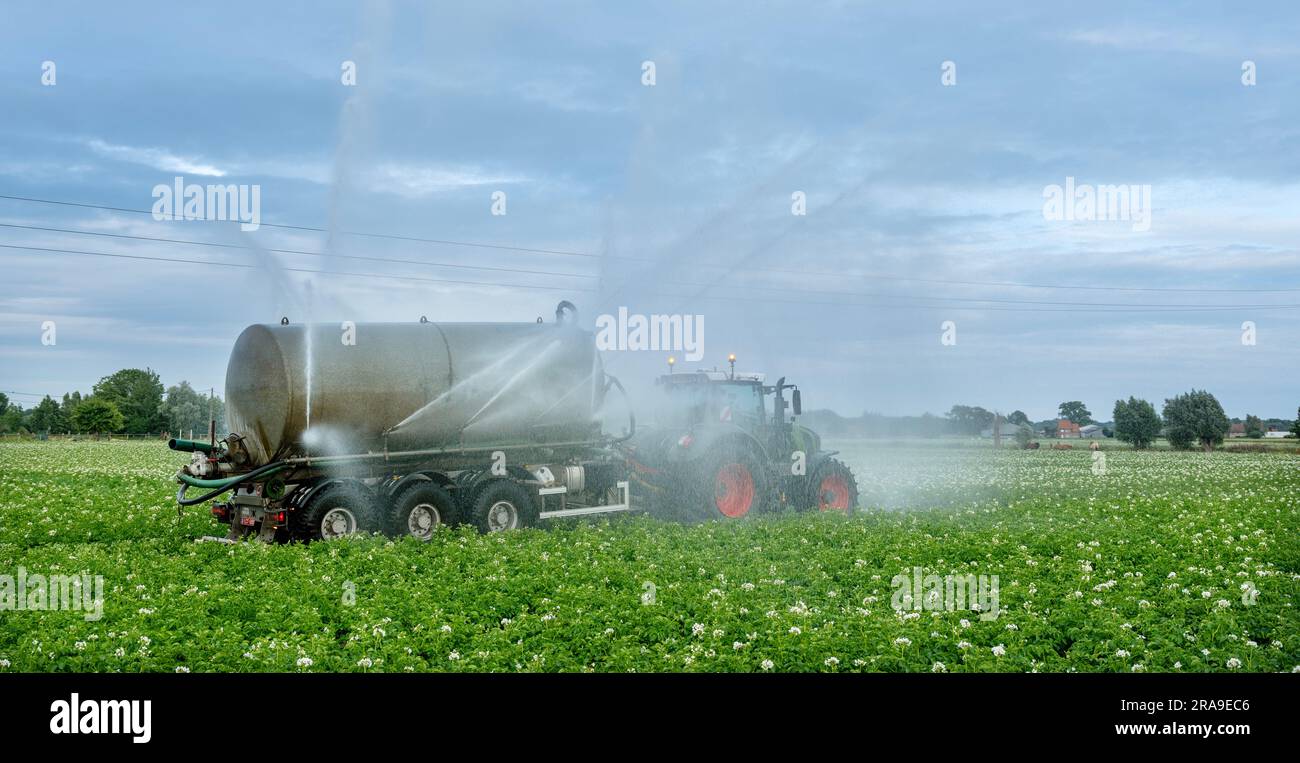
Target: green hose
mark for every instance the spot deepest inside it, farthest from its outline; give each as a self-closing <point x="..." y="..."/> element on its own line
<point x="220" y="486"/>
<point x="227" y="482"/>
<point x="189" y="446"/>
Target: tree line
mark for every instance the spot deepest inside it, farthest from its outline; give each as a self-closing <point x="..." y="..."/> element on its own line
<point x="130" y="401"/>
<point x="1192" y="419"/>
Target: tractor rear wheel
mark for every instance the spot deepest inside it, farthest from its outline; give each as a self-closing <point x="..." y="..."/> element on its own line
<point x="337" y="510"/>
<point x="419" y="509"/>
<point x="731" y="485"/>
<point x="832" y="487"/>
<point x="502" y="504"/>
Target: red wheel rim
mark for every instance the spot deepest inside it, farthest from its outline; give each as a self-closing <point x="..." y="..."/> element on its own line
<point x="733" y="490"/>
<point x="834" y="493"/>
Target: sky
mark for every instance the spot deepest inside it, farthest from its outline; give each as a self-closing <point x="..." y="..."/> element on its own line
<point x="849" y="195"/>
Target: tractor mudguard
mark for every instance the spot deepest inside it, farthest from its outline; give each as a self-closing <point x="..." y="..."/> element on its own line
<point x="706" y="440"/>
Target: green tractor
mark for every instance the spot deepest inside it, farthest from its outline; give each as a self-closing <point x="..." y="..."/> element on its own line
<point x="721" y="446"/>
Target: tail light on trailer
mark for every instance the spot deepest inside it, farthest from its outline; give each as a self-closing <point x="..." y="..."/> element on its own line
<point x="276" y="517"/>
<point x="220" y="511"/>
<point x="686" y="441"/>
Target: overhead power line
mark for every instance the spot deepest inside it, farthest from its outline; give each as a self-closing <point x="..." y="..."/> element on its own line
<point x="776" y="289"/>
<point x="716" y="295"/>
<point x="312" y="229"/>
<point x="649" y="260"/>
<point x="21" y="394"/>
<point x="246" y="266"/>
<point x="218" y="245"/>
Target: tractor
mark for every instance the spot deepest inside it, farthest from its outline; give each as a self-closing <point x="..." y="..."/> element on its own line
<point x="721" y="446"/>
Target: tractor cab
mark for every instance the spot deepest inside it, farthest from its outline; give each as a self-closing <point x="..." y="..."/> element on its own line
<point x="698" y="395"/>
<point x="710" y="398"/>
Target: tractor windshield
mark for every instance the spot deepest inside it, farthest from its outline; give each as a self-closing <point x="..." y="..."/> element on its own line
<point x="741" y="403"/>
<point x="688" y="404"/>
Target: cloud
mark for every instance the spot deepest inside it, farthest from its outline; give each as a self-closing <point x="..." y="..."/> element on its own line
<point x="1164" y="39"/>
<point x="415" y="181"/>
<point x="577" y="91"/>
<point x="157" y="158"/>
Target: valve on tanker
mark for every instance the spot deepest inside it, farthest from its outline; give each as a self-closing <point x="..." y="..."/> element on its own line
<point x="199" y="465"/>
<point x="566" y="308"/>
<point x="236" y="451"/>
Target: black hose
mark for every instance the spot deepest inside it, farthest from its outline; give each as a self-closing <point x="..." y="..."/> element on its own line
<point x="258" y="472"/>
<point x="611" y="381"/>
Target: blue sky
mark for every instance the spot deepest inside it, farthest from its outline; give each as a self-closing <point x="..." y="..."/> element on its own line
<point x="676" y="197"/>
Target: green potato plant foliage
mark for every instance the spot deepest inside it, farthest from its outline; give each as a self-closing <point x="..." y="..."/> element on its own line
<point x="1162" y="561"/>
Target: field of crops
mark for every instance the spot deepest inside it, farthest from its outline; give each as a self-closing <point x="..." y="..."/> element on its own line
<point x="1157" y="562"/>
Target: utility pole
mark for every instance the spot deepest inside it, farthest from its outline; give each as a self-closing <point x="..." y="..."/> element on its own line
<point x="212" y="422"/>
<point x="997" y="430"/>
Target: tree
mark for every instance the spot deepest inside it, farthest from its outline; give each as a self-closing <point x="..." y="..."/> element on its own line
<point x="70" y="402"/>
<point x="138" y="396"/>
<point x="1195" y="418"/>
<point x="970" y="419"/>
<point x="187" y="409"/>
<point x="12" y="418"/>
<point x="47" y="416"/>
<point x="99" y="416"/>
<point x="4" y="403"/>
<point x="1018" y="418"/>
<point x="1295" y="428"/>
<point x="1136" y="422"/>
<point x="1077" y="412"/>
<point x="1254" y="427"/>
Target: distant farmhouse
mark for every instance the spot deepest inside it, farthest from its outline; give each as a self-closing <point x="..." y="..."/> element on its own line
<point x="1274" y="433"/>
<point x="1091" y="432"/>
<point x="1237" y="430"/>
<point x="1067" y="428"/>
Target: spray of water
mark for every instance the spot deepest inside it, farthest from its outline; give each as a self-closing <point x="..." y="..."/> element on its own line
<point x="513" y="379"/>
<point x="466" y="387"/>
<point x="309" y="369"/>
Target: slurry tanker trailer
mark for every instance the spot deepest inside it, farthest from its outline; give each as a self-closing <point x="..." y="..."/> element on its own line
<point x="401" y="428"/>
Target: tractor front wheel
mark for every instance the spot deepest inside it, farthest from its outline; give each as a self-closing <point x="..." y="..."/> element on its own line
<point x="833" y="488"/>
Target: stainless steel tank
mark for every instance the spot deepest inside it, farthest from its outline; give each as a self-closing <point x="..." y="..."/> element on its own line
<point x="304" y="389"/>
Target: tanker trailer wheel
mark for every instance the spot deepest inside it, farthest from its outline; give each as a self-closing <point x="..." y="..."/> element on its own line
<point x="336" y="511"/>
<point x="832" y="488"/>
<point x="419" y="509"/>
<point x="503" y="504"/>
<point x="730" y="485"/>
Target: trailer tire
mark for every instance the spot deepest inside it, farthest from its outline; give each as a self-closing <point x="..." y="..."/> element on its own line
<point x="502" y="504"/>
<point x="419" y="509"/>
<point x="832" y="487"/>
<point x="337" y="510"/>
